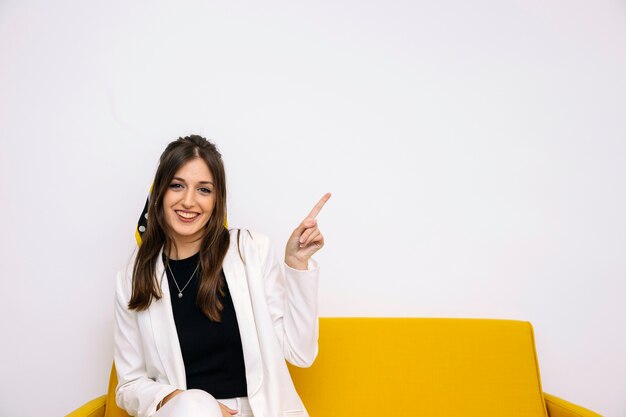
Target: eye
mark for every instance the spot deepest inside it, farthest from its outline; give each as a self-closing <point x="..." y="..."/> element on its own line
<point x="205" y="190"/>
<point x="175" y="186"/>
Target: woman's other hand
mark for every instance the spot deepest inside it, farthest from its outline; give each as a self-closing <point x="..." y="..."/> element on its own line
<point x="306" y="239"/>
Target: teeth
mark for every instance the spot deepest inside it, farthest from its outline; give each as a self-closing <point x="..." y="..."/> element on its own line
<point x="186" y="215"/>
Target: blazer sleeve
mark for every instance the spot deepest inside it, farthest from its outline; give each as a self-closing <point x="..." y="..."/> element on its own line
<point x="136" y="392"/>
<point x="292" y="303"/>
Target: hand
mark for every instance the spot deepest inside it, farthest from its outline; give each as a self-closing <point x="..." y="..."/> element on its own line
<point x="226" y="411"/>
<point x="306" y="239"/>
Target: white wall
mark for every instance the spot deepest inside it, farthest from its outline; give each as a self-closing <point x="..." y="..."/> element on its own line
<point x="476" y="152"/>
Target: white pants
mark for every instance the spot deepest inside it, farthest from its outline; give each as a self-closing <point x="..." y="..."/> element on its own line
<point x="198" y="403"/>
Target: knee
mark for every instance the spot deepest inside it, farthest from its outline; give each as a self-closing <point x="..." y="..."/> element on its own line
<point x="197" y="395"/>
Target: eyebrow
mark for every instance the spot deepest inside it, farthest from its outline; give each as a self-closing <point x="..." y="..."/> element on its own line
<point x="199" y="182"/>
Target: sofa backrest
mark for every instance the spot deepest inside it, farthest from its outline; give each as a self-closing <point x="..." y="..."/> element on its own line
<point x="422" y="367"/>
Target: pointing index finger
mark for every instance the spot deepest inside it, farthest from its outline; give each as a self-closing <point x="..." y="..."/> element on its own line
<point x="318" y="207"/>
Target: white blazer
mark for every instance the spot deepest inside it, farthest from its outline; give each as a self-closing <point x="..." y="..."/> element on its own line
<point x="277" y="317"/>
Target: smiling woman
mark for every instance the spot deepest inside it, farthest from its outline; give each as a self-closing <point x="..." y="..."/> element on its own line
<point x="205" y="317"/>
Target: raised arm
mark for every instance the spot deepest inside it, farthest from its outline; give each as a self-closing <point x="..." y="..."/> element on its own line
<point x="292" y="294"/>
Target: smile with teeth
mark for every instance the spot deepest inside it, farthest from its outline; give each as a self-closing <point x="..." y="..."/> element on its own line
<point x="186" y="215"/>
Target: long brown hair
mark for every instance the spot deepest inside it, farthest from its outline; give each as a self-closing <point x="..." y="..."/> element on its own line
<point x="215" y="240"/>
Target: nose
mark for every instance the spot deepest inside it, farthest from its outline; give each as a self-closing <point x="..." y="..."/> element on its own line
<point x="188" y="199"/>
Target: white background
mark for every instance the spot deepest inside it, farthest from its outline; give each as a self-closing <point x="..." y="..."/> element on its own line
<point x="476" y="152"/>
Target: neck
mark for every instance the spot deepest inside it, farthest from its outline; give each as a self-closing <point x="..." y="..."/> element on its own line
<point x="184" y="250"/>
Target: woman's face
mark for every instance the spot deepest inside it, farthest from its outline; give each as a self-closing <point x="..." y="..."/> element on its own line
<point x="189" y="201"/>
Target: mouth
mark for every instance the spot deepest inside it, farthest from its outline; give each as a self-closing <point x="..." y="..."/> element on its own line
<point x="186" y="216"/>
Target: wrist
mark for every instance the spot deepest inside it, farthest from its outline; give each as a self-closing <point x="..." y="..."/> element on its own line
<point x="298" y="264"/>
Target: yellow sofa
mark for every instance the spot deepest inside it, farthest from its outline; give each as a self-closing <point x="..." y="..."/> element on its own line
<point x="414" y="367"/>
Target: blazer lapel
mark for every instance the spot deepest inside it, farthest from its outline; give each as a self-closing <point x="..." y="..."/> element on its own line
<point x="235" y="274"/>
<point x="164" y="330"/>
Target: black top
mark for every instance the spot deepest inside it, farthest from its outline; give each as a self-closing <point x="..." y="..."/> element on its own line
<point x="211" y="351"/>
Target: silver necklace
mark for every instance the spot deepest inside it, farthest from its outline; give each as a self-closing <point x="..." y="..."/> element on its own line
<point x="180" y="291"/>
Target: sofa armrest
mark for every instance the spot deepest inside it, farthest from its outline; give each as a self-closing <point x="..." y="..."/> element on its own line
<point x="94" y="408"/>
<point x="558" y="407"/>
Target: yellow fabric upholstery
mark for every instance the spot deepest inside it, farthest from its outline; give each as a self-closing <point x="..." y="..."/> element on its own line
<point x="561" y="408"/>
<point x="424" y="367"/>
<point x="94" y="408"/>
<point x="417" y="367"/>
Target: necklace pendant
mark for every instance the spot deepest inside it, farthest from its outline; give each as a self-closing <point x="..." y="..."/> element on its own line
<point x="180" y="295"/>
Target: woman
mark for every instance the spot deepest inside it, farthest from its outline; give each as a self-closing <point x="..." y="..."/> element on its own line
<point x="205" y="317"/>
